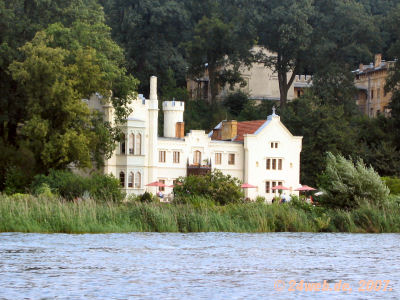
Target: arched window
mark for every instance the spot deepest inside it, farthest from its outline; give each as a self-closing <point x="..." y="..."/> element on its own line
<point x="138" y="144"/>
<point x="122" y="179"/>
<point x="138" y="180"/>
<point x="130" y="180"/>
<point x="131" y="143"/>
<point x="197" y="157"/>
<point x="122" y="144"/>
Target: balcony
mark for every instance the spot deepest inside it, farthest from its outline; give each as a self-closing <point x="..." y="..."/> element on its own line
<point x="198" y="169"/>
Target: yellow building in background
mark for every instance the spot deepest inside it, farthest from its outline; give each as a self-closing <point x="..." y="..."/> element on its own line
<point x="261" y="83"/>
<point x="370" y="81"/>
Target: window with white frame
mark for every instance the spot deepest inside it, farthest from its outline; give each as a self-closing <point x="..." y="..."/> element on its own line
<point x="138" y="144"/>
<point x="218" y="158"/>
<point x="131" y="143"/>
<point x="274" y="145"/>
<point x="231" y="159"/>
<point x="197" y="157"/>
<point x="274" y="163"/>
<point x="269" y="185"/>
<point x="122" y="179"/>
<point x="161" y="188"/>
<point x="130" y="180"/>
<point x="138" y="180"/>
<point x="177" y="155"/>
<point x="161" y="156"/>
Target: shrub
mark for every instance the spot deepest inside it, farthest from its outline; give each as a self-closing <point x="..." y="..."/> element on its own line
<point x="70" y="185"/>
<point x="260" y="199"/>
<point x="132" y="198"/>
<point x="17" y="168"/>
<point x="346" y="185"/>
<point x="393" y="183"/>
<point x="67" y="184"/>
<point x="15" y="180"/>
<point x="44" y="190"/>
<point x="223" y="189"/>
<point x="105" y="188"/>
<point x="146" y="197"/>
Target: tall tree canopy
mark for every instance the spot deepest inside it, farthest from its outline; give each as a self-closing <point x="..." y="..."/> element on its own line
<point x="45" y="76"/>
<point x="218" y="49"/>
<point x="283" y="27"/>
<point x="59" y="69"/>
<point x="344" y="35"/>
<point x="151" y="32"/>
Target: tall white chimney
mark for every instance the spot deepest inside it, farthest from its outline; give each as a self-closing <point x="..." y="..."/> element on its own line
<point x="153" y="88"/>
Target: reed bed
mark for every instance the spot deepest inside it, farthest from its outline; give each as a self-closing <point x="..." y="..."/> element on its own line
<point x="26" y="213"/>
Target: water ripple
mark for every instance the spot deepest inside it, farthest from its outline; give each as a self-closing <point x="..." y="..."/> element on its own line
<point x="193" y="266"/>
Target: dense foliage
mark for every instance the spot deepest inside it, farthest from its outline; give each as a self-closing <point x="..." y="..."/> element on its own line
<point x="346" y="185"/>
<point x="54" y="53"/>
<point x="223" y="189"/>
<point x="393" y="184"/>
<point x="71" y="186"/>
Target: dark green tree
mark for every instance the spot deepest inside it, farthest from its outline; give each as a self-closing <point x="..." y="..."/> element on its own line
<point x="217" y="49"/>
<point x="283" y="27"/>
<point x="62" y="66"/>
<point x="151" y="32"/>
<point x="344" y="35"/>
<point x="324" y="128"/>
<point x="392" y="83"/>
<point x="19" y="22"/>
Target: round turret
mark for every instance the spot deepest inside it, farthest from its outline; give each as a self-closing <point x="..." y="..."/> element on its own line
<point x="173" y="118"/>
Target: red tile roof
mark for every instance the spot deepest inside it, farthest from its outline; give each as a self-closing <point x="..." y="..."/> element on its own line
<point x="246" y="127"/>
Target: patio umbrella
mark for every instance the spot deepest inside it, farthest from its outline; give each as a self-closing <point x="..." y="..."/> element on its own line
<point x="174" y="185"/>
<point x="248" y="186"/>
<point x="280" y="187"/>
<point x="156" y="183"/>
<point x="305" y="188"/>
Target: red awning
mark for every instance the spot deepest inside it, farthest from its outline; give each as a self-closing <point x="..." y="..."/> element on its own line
<point x="248" y="186"/>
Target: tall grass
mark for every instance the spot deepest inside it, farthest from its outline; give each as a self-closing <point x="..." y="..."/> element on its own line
<point x="26" y="213"/>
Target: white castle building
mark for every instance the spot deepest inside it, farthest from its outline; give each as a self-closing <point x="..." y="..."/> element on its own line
<point x="262" y="153"/>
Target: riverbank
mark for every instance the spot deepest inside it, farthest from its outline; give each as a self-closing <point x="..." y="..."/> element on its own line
<point x="25" y="213"/>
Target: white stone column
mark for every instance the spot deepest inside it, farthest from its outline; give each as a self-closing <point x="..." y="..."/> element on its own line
<point x="110" y="164"/>
<point x="153" y="131"/>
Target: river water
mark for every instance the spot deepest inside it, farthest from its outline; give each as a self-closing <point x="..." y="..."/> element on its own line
<point x="199" y="266"/>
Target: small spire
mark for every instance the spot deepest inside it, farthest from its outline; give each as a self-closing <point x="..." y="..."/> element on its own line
<point x="273" y="110"/>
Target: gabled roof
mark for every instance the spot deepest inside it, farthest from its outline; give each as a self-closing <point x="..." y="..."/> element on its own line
<point x="246" y="127"/>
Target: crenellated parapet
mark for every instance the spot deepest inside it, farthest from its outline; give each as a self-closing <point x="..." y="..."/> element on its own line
<point x="173" y="106"/>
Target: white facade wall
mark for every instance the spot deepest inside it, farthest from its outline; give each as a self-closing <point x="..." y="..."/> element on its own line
<point x="258" y="149"/>
<point x="250" y="155"/>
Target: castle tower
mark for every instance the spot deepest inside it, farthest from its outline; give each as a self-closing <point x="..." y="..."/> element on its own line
<point x="173" y="119"/>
